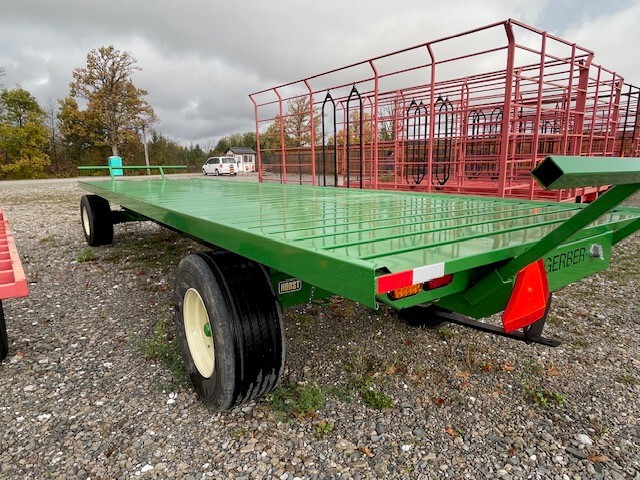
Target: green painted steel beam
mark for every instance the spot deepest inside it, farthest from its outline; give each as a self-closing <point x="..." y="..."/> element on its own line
<point x="160" y="168"/>
<point x="625" y="231"/>
<point x="557" y="171"/>
<point x="608" y="201"/>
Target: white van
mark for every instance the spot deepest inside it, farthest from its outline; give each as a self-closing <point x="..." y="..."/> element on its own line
<point x="220" y="166"/>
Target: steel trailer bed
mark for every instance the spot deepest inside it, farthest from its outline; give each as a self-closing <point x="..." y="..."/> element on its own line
<point x="409" y="250"/>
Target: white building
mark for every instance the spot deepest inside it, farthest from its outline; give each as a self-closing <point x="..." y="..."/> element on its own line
<point x="245" y="158"/>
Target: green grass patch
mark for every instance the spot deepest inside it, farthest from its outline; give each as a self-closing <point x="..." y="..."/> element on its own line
<point x="48" y="239"/>
<point x="541" y="397"/>
<point x="296" y="400"/>
<point x="535" y="368"/>
<point x="304" y="319"/>
<point x="239" y="433"/>
<point x="323" y="428"/>
<point x="445" y="333"/>
<point x="628" y="379"/>
<point x="371" y="397"/>
<point x="164" y="347"/>
<point x="341" y="393"/>
<point x="85" y="255"/>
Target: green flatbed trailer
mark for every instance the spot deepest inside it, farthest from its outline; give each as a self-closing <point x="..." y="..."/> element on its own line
<point x="434" y="257"/>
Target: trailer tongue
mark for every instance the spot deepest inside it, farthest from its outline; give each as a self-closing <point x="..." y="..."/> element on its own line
<point x="288" y="244"/>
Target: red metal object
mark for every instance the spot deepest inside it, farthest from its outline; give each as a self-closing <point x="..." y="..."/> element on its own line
<point x="13" y="282"/>
<point x="627" y="140"/>
<point x="394" y="281"/>
<point x="470" y="113"/>
<point x="529" y="299"/>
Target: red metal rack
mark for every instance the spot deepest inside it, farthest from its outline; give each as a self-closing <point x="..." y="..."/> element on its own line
<point x="13" y="282"/>
<point x="470" y="113"/>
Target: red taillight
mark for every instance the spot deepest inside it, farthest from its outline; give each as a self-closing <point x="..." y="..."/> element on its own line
<point x="438" y="282"/>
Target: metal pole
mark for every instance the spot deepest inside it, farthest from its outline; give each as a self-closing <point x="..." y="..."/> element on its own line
<point x="146" y="150"/>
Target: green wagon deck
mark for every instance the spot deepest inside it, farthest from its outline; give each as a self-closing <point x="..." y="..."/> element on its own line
<point x="345" y="241"/>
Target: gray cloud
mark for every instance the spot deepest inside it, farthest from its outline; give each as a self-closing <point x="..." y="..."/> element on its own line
<point x="200" y="59"/>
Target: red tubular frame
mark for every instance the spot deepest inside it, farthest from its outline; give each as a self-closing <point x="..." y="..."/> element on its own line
<point x="13" y="283"/>
<point x="439" y="122"/>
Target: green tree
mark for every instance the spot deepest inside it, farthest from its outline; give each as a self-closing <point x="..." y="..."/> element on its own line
<point x="24" y="136"/>
<point x="222" y="146"/>
<point x="196" y="155"/>
<point x="247" y="140"/>
<point x="115" y="108"/>
<point x="165" y="151"/>
<point x="388" y="122"/>
<point x="354" y="130"/>
<point x="297" y="122"/>
<point x="271" y="138"/>
<point x="296" y="127"/>
<point x="81" y="129"/>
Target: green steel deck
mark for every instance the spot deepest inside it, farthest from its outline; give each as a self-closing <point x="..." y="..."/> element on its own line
<point x="342" y="239"/>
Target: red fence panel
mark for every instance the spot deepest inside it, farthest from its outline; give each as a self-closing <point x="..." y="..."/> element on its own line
<point x="471" y="113"/>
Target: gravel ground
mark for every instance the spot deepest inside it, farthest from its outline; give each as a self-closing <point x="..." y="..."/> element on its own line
<point x="90" y="388"/>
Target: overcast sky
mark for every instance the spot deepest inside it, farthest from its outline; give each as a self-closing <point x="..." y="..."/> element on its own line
<point x="200" y="59"/>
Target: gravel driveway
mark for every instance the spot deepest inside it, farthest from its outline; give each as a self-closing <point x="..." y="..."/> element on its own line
<point x="90" y="388"/>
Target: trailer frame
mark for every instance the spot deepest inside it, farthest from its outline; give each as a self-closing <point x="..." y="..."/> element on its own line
<point x="471" y="256"/>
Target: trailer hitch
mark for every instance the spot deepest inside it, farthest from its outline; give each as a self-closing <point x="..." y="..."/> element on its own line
<point x="529" y="334"/>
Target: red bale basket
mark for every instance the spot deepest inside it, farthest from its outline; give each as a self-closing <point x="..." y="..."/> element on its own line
<point x="471" y="113"/>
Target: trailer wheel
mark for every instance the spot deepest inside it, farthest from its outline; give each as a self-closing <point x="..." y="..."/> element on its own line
<point x="97" y="223"/>
<point x="230" y="328"/>
<point x="421" y="316"/>
<point x="4" y="338"/>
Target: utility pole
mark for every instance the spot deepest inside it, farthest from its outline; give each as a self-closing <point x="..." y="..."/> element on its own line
<point x="54" y="152"/>
<point x="146" y="151"/>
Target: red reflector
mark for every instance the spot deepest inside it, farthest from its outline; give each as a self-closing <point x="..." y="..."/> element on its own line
<point x="529" y="298"/>
<point x="439" y="282"/>
<point x="395" y="281"/>
<point x="404" y="292"/>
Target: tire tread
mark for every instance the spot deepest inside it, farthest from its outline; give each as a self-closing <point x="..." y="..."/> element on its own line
<point x="4" y="337"/>
<point x="259" y="351"/>
<point x="250" y="346"/>
<point x="100" y="220"/>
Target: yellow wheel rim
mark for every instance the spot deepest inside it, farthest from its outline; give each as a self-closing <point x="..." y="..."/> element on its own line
<point x="198" y="332"/>
<point x="85" y="222"/>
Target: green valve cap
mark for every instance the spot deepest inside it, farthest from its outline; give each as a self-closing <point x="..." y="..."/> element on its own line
<point x="207" y="329"/>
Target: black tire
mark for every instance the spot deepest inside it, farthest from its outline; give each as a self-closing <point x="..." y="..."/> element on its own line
<point x="204" y="172"/>
<point x="216" y="172"/>
<point x="422" y="316"/>
<point x="97" y="222"/>
<point x="4" y="338"/>
<point x="245" y="324"/>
